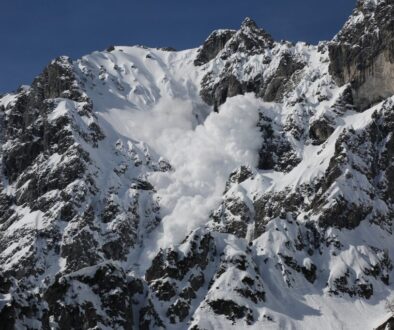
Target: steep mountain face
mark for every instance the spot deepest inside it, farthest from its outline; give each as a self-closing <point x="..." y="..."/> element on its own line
<point x="244" y="184"/>
<point x="362" y="53"/>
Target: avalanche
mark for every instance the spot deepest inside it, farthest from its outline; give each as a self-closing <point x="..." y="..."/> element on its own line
<point x="243" y="184"/>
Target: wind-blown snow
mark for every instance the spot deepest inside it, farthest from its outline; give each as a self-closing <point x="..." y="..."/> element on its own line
<point x="158" y="102"/>
<point x="203" y="158"/>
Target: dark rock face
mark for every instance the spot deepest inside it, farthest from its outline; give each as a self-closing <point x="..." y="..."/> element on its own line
<point x="231" y="310"/>
<point x="275" y="87"/>
<point x="169" y="270"/>
<point x="69" y="305"/>
<point x="213" y="45"/>
<point x="279" y="205"/>
<point x="57" y="80"/>
<point x="49" y="132"/>
<point x="149" y="318"/>
<point x="233" y="216"/>
<point x="23" y="304"/>
<point x="229" y="86"/>
<point x="270" y="88"/>
<point x="320" y="131"/>
<point x="226" y="46"/>
<point x="341" y="285"/>
<point x="365" y="154"/>
<point x="308" y="272"/>
<point x="168" y="264"/>
<point x="238" y="176"/>
<point x="28" y="128"/>
<point x="34" y="142"/>
<point x="363" y="53"/>
<point x="276" y="152"/>
<point x="372" y="145"/>
<point x="388" y="325"/>
<point x="249" y="39"/>
<point x="181" y="281"/>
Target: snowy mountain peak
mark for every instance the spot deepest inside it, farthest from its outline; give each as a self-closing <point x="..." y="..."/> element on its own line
<point x="370" y="4"/>
<point x="250" y="27"/>
<point x="249" y="23"/>
<point x="213" y="45"/>
<point x="250" y="36"/>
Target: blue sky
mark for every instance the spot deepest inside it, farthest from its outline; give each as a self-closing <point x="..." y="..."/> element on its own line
<point x="34" y="32"/>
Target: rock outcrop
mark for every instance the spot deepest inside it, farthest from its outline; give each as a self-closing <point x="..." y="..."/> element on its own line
<point x="362" y="53"/>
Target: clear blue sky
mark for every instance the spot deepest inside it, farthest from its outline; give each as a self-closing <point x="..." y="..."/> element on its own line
<point x="32" y="32"/>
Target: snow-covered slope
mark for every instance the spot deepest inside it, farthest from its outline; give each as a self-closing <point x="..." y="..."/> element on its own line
<point x="247" y="183"/>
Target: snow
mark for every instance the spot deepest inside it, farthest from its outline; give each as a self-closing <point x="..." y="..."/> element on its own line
<point x="308" y="306"/>
<point x="29" y="219"/>
<point x="62" y="109"/>
<point x="8" y="100"/>
<point x="159" y="104"/>
<point x="152" y="96"/>
<point x="147" y="103"/>
<point x="203" y="159"/>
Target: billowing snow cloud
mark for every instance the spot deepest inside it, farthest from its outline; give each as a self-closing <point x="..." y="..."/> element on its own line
<point x="202" y="146"/>
<point x="202" y="157"/>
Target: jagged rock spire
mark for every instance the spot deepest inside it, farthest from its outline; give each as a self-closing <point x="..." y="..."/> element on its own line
<point x="369" y="4"/>
<point x="250" y="27"/>
<point x="249" y="23"/>
<point x="249" y="38"/>
<point x="362" y="53"/>
<point x="213" y="45"/>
